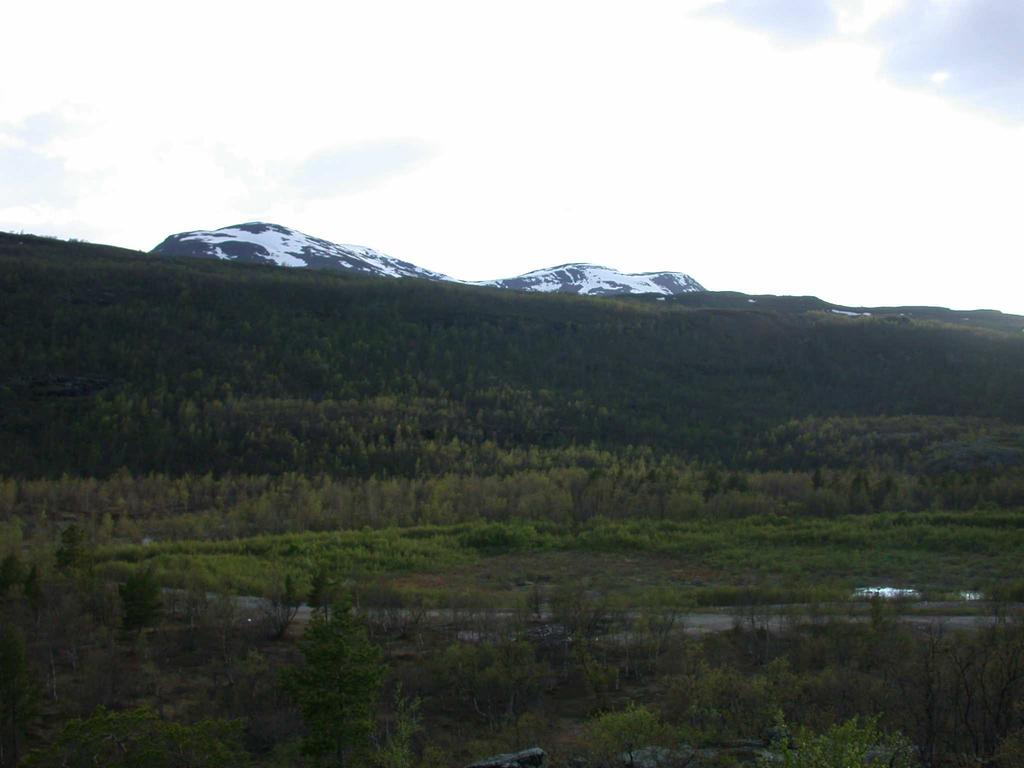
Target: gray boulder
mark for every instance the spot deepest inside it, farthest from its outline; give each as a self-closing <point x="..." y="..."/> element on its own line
<point x="535" y="757"/>
<point x="653" y="757"/>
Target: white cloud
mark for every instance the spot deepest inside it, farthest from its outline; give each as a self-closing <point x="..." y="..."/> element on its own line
<point x="794" y="21"/>
<point x="30" y="177"/>
<point x="977" y="44"/>
<point x="344" y="170"/>
<point x="972" y="47"/>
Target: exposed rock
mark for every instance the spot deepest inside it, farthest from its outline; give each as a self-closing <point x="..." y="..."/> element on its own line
<point x="259" y="242"/>
<point x="749" y="755"/>
<point x="548" y="635"/>
<point x="595" y="280"/>
<point x="740" y="752"/>
<point x="656" y="757"/>
<point x="535" y="757"/>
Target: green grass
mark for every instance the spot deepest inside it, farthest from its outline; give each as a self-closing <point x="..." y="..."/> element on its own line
<point x="758" y="559"/>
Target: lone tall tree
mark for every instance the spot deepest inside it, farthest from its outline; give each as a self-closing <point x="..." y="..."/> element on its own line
<point x="336" y="687"/>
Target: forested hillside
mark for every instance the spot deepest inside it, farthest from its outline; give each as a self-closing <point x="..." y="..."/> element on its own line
<point x="115" y="361"/>
<point x="472" y="520"/>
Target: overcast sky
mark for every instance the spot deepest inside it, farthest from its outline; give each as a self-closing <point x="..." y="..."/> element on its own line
<point x="865" y="151"/>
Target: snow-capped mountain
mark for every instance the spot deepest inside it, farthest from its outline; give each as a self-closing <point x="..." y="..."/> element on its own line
<point x="261" y="243"/>
<point x="593" y="280"/>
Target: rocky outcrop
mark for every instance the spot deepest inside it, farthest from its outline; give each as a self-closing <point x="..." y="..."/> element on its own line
<point x="655" y="757"/>
<point x="535" y="757"/>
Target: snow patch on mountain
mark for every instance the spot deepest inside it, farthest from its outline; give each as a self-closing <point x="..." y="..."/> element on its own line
<point x="258" y="242"/>
<point x="262" y="243"/>
<point x="592" y="279"/>
<point x="280" y="245"/>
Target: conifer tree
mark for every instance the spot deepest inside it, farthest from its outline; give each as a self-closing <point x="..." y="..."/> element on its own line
<point x="336" y="687"/>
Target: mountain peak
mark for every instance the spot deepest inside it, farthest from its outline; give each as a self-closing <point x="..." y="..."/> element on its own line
<point x="259" y="242"/>
<point x="593" y="279"/>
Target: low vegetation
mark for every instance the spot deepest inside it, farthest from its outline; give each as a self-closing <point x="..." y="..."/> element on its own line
<point x="249" y="516"/>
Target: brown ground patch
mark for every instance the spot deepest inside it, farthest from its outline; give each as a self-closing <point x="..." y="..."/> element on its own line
<point x="505" y="577"/>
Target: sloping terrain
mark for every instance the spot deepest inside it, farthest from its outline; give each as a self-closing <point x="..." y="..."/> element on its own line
<point x="976" y="318"/>
<point x="594" y="280"/>
<point x="159" y="364"/>
<point x="500" y="479"/>
<point x="262" y="243"/>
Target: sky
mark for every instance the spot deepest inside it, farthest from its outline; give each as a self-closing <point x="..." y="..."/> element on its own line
<point x="870" y="152"/>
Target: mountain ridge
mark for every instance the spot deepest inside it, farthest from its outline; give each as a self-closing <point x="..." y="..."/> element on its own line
<point x="594" y="279"/>
<point x="705" y="300"/>
<point x="259" y="242"/>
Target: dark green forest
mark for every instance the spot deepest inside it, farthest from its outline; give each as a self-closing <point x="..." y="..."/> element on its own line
<point x="156" y="365"/>
<point x="269" y="516"/>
